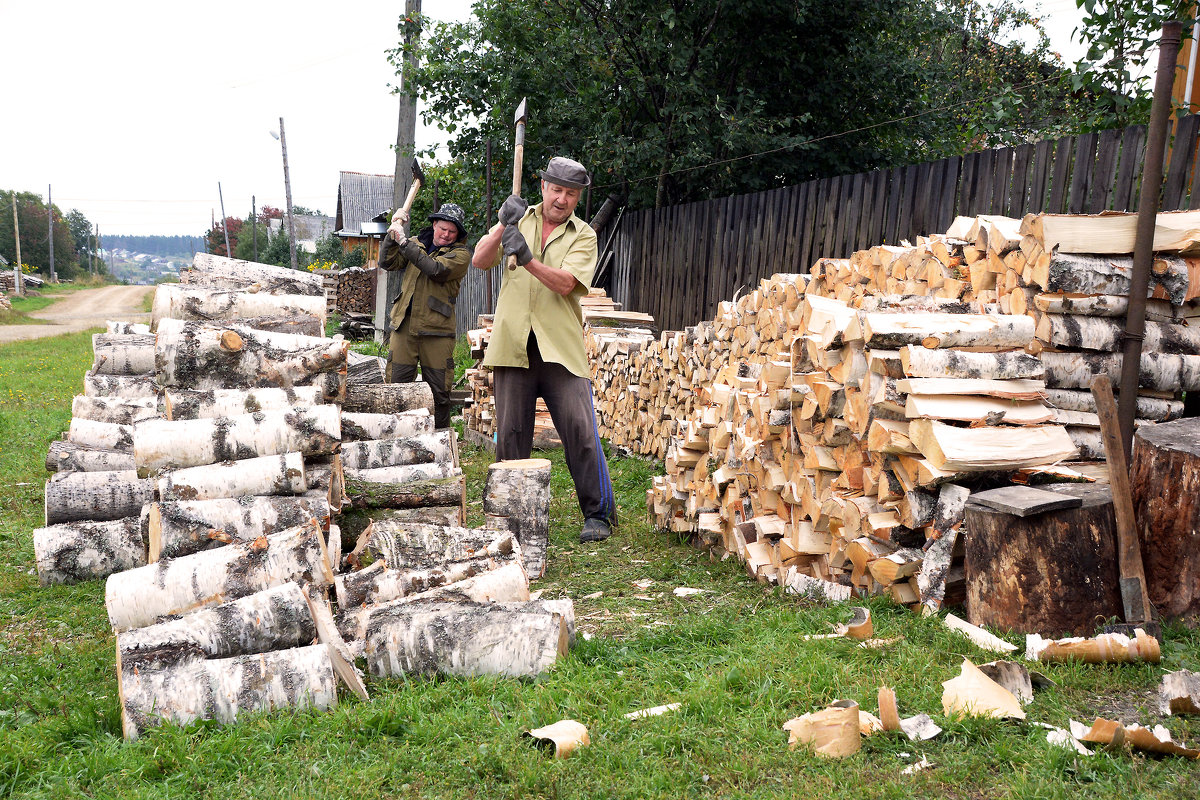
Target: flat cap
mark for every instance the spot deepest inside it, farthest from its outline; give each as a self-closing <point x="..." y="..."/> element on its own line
<point x="566" y="172"/>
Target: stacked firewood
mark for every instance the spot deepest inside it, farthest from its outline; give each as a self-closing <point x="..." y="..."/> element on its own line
<point x="207" y="463"/>
<point x="355" y="291"/>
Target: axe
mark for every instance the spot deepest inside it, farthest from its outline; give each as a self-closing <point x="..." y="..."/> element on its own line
<point x="518" y="160"/>
<point x="418" y="175"/>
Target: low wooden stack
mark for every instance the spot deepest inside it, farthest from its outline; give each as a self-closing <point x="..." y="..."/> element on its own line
<point x="355" y="292"/>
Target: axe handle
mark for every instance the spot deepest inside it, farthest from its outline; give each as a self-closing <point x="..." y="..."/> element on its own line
<point x="518" y="164"/>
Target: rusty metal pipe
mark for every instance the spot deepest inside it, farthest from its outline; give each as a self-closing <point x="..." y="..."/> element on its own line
<point x="1143" y="248"/>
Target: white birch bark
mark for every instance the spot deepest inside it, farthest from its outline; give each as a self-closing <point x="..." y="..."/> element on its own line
<point x="179" y="528"/>
<point x="64" y="456"/>
<point x="183" y="404"/>
<point x="921" y="362"/>
<point x="116" y="410"/>
<point x="84" y="551"/>
<point x="129" y="387"/>
<point x="98" y="496"/>
<point x="281" y="474"/>
<point x="223" y="272"/>
<point x="199" y="303"/>
<point x="516" y="498"/>
<point x="123" y="354"/>
<point x="439" y="447"/>
<point x="101" y="435"/>
<point x="368" y="427"/>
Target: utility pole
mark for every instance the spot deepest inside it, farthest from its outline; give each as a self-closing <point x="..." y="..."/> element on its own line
<point x="17" y="238"/>
<point x="224" y="221"/>
<point x="96" y="253"/>
<point x="254" y="225"/>
<point x="487" y="225"/>
<point x="388" y="283"/>
<point x="50" y="217"/>
<point x="287" y="188"/>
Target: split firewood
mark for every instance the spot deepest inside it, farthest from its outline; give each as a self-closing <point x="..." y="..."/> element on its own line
<point x="370" y="427"/>
<point x="179" y="528"/>
<point x="1180" y="693"/>
<point x="99" y="496"/>
<point x="181" y="404"/>
<point x="164" y="444"/>
<point x="231" y="273"/>
<point x="139" y="597"/>
<point x="388" y="398"/>
<point x="439" y="447"/>
<point x="281" y="474"/>
<point x="114" y="410"/>
<point x="83" y="551"/>
<point x="64" y="456"/>
<point x="190" y="302"/>
<point x="1105" y="648"/>
<point x="516" y="498"/>
<point x="122" y="354"/>
<point x="991" y="448"/>
<point x="1111" y="233"/>
<point x="128" y="387"/>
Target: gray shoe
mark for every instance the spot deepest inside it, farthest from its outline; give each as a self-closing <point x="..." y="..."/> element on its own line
<point x="594" y="530"/>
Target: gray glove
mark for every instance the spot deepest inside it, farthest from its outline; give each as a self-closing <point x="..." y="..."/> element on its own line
<point x="515" y="245"/>
<point x="512" y="210"/>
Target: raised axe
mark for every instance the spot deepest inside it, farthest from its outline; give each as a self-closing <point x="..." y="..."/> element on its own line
<point x="518" y="160"/>
<point x="418" y="175"/>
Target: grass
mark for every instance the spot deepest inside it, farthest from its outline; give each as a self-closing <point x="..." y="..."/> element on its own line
<point x="732" y="656"/>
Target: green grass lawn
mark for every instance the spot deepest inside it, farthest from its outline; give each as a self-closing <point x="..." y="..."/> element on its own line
<point x="732" y="656"/>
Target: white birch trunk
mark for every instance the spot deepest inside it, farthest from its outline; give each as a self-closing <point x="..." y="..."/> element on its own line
<point x="128" y="387"/>
<point x="369" y="427"/>
<point x="179" y="528"/>
<point x="123" y="354"/>
<point x="181" y="691"/>
<point x="947" y="330"/>
<point x="404" y="545"/>
<point x="196" y="356"/>
<point x="1090" y="274"/>
<point x="439" y="447"/>
<point x="177" y="301"/>
<point x="124" y="326"/>
<point x="99" y="496"/>
<point x="223" y="272"/>
<point x="516" y="498"/>
<point x="101" y="435"/>
<point x="388" y="398"/>
<point x="282" y="474"/>
<point x="1159" y="371"/>
<point x="116" y="410"/>
<point x="139" y="597"/>
<point x="164" y="444"/>
<point x="183" y="404"/>
<point x="64" y="456"/>
<point x="403" y="474"/>
<point x="921" y="362"/>
<point x="84" y="551"/>
<point x="1107" y="335"/>
<point x="1151" y="408"/>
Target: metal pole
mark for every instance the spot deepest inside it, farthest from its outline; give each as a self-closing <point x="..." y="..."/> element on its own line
<point x="50" y="217"/>
<point x="224" y="221"/>
<point x="92" y="251"/>
<point x="254" y="225"/>
<point x="287" y="188"/>
<point x="1152" y="175"/>
<point x="17" y="239"/>
<point x="487" y="224"/>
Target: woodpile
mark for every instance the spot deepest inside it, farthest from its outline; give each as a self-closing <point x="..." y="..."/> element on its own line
<point x="356" y="291"/>
<point x="202" y="476"/>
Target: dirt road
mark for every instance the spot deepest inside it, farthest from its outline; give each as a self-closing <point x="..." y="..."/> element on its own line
<point x="78" y="311"/>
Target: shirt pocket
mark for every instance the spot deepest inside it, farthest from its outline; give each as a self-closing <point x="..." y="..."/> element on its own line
<point x="439" y="307"/>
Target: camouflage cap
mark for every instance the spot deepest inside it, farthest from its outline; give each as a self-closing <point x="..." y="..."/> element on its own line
<point x="451" y="212"/>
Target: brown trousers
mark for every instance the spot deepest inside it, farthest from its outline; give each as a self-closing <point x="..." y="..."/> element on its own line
<point x="435" y="354"/>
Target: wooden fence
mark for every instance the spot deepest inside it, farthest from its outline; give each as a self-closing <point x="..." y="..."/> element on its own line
<point x="678" y="262"/>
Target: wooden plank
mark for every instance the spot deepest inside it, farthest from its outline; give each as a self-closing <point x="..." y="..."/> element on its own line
<point x="1061" y="176"/>
<point x="1039" y="178"/>
<point x="983" y="181"/>
<point x="907" y="189"/>
<point x="828" y="223"/>
<point x="854" y="225"/>
<point x="841" y="216"/>
<point x="1024" y="501"/>
<point x="924" y="196"/>
<point x="879" y="192"/>
<point x="1085" y="156"/>
<point x="949" y="193"/>
<point x="1183" y="151"/>
<point x="1019" y="184"/>
<point x="1133" y="152"/>
<point x="892" y="211"/>
<point x="808" y="249"/>
<point x="966" y="186"/>
<point x="1001" y="179"/>
<point x="1105" y="171"/>
<point x="863" y="240"/>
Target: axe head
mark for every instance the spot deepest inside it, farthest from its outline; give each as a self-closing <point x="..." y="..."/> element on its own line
<point x="519" y="117"/>
<point x="418" y="173"/>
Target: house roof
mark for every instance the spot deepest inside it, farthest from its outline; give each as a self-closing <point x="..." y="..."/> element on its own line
<point x="361" y="198"/>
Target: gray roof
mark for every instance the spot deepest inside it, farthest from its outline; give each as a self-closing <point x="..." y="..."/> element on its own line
<point x="361" y="198"/>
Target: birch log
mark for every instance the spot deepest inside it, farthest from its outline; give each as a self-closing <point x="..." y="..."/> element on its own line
<point x="516" y="498"/>
<point x="282" y="474"/>
<point x="139" y="597"/>
<point x="122" y="354"/>
<point x="196" y="356"/>
<point x="181" y="404"/>
<point x="1104" y="305"/>
<point x="1107" y="335"/>
<point x="1089" y="274"/>
<point x="183" y="690"/>
<point x="990" y="448"/>
<point x="364" y="370"/>
<point x="179" y="528"/>
<point x="123" y="326"/>
<point x="403" y="474"/>
<point x="178" y="301"/>
<point x="116" y="410"/>
<point x="101" y="435"/>
<point x="921" y="362"/>
<point x="1151" y="408"/>
<point x="129" y="387"/>
<point x="64" y="456"/>
<point x="300" y="325"/>
<point x="439" y="447"/>
<point x="428" y="515"/>
<point x="84" y="551"/>
<point x="326" y="480"/>
<point x="466" y="639"/>
<point x="388" y="398"/>
<point x="441" y="492"/>
<point x="1109" y="232"/>
<point x="378" y="583"/>
<point x="406" y="545"/>
<point x="368" y="427"/>
<point x="165" y="444"/>
<point x="1159" y="371"/>
<point x="947" y="330"/>
<point x="99" y="496"/>
<point x="223" y="272"/>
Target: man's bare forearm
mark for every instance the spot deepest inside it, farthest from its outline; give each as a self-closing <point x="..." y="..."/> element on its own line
<point x="487" y="248"/>
<point x="556" y="280"/>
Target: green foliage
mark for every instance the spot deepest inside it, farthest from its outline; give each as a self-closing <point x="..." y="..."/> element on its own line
<point x="34" y="220"/>
<point x="214" y="237"/>
<point x="460" y="182"/>
<point x="81" y="231"/>
<point x="682" y="101"/>
<point x="330" y="249"/>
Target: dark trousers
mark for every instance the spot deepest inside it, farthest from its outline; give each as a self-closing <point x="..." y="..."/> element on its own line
<point x="569" y="398"/>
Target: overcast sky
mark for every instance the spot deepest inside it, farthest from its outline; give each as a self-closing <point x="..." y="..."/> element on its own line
<point x="133" y="111"/>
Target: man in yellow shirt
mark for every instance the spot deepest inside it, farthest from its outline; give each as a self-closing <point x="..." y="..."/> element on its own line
<point x="536" y="348"/>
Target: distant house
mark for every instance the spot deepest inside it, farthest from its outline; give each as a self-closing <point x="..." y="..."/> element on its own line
<point x="309" y="230"/>
<point x="363" y="205"/>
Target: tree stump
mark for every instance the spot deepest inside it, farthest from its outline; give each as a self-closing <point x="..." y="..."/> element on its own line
<point x="516" y="498"/>
<point x="1165" y="481"/>
<point x="1054" y="572"/>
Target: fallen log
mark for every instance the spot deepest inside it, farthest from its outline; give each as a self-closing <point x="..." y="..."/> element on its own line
<point x="115" y="410"/>
<point x="281" y="474"/>
<point x="84" y="551"/>
<point x="370" y="427"/>
<point x="231" y="273"/>
<point x="100" y="435"/>
<point x="198" y="303"/>
<point x="379" y="583"/>
<point x="193" y="355"/>
<point x="181" y="404"/>
<point x="185" y="689"/>
<point x="166" y="444"/>
<point x="1159" y="372"/>
<point x="98" y="496"/>
<point x="181" y="527"/>
<point x="921" y="362"/>
<point x="388" y="398"/>
<point x="405" y="473"/>
<point x="516" y="498"/>
<point x="122" y="354"/>
<point x="64" y="456"/>
<point x="139" y="597"/>
<point x="129" y="387"/>
<point x="466" y="639"/>
<point x="440" y="492"/>
<point x="428" y="515"/>
<point x="439" y="447"/>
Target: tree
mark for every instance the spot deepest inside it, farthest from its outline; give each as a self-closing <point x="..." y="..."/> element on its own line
<point x="35" y="235"/>
<point x="81" y="232"/>
<point x="215" y="236"/>
<point x="678" y="101"/>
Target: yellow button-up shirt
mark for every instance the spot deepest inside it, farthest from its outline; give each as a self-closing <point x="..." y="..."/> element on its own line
<point x="526" y="304"/>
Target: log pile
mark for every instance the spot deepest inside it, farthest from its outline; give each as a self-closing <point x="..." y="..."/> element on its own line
<point x="355" y="292"/>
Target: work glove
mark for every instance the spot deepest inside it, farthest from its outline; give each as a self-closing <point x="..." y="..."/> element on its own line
<point x="512" y="210"/>
<point x="515" y="245"/>
<point x="399" y="227"/>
